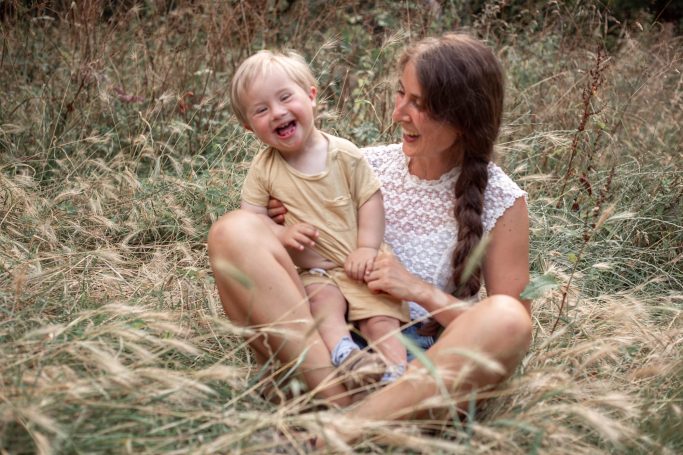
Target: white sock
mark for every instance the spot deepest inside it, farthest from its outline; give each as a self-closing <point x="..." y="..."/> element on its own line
<point x="393" y="372"/>
<point x="341" y="351"/>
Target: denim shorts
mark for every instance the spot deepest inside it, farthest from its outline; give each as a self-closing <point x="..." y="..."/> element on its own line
<point x="410" y="332"/>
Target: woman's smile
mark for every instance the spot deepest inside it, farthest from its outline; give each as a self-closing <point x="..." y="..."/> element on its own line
<point x="424" y="138"/>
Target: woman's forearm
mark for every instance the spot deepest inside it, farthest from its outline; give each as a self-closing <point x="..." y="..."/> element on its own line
<point x="444" y="307"/>
<point x="390" y="276"/>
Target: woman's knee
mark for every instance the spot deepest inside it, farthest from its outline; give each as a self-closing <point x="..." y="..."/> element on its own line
<point x="510" y="318"/>
<point x="238" y="224"/>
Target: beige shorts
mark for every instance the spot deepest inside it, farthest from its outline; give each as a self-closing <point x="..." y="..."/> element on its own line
<point x="363" y="303"/>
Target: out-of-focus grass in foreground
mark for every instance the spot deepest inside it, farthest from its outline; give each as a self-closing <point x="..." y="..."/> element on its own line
<point x="118" y="150"/>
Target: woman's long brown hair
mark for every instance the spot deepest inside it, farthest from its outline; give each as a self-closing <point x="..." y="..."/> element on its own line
<point x="462" y="84"/>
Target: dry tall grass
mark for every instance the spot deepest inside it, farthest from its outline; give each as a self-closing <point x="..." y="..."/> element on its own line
<point x="117" y="151"/>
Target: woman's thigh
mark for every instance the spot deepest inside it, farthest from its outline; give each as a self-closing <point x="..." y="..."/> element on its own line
<point x="259" y="287"/>
<point x="256" y="279"/>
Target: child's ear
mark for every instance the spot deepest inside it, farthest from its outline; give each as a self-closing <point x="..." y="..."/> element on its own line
<point x="247" y="127"/>
<point x="312" y="94"/>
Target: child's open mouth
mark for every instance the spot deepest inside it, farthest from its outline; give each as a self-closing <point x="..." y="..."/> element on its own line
<point x="286" y="130"/>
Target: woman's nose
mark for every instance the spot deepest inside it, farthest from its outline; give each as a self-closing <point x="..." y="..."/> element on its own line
<point x="399" y="113"/>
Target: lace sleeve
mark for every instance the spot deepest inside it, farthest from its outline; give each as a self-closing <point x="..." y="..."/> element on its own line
<point x="501" y="192"/>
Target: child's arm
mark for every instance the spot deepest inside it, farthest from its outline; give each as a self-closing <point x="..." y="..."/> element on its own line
<point x="370" y="237"/>
<point x="297" y="236"/>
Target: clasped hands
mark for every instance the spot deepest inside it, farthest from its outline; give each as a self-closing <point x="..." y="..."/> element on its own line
<point x="382" y="272"/>
<point x="358" y="264"/>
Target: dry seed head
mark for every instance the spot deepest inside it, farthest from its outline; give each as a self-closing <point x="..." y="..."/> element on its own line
<point x="50" y="332"/>
<point x="105" y="361"/>
<point x="180" y="386"/>
<point x="604" y="216"/>
<point x="182" y="346"/>
<point x="43" y="444"/>
<point x="222" y="372"/>
<point x="609" y="428"/>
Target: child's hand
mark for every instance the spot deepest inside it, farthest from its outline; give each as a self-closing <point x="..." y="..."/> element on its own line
<point x="360" y="261"/>
<point x="299" y="236"/>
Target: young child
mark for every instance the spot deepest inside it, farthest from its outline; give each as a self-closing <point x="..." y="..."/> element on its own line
<point x="334" y="225"/>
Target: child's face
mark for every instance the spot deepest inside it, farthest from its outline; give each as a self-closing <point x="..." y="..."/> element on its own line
<point x="280" y="112"/>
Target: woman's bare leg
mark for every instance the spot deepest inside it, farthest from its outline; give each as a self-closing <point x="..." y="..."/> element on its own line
<point x="498" y="328"/>
<point x="274" y="298"/>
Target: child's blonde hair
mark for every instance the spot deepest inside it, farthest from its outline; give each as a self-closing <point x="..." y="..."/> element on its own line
<point x="258" y="65"/>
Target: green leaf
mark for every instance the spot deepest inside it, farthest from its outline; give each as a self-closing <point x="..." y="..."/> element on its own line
<point x="538" y="286"/>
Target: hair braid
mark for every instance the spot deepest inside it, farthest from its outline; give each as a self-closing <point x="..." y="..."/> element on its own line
<point x="469" y="204"/>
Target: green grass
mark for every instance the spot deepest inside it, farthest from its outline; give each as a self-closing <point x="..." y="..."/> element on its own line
<point x="118" y="150"/>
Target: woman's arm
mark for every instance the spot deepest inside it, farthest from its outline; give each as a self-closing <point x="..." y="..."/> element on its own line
<point x="276" y="210"/>
<point x="390" y="276"/>
<point x="506" y="264"/>
<point x="505" y="269"/>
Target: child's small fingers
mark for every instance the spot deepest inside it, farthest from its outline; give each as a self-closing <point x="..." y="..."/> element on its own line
<point x="348" y="268"/>
<point x="360" y="272"/>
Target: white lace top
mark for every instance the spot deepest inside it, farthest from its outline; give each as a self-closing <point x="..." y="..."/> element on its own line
<point x="420" y="225"/>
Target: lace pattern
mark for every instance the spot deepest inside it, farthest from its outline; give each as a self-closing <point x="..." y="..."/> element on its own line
<point x="420" y="225"/>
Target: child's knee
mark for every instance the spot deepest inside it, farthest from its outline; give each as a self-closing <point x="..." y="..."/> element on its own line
<point x="378" y="326"/>
<point x="324" y="295"/>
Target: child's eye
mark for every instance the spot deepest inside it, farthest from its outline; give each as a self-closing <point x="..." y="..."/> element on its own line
<point x="286" y="96"/>
<point x="259" y="110"/>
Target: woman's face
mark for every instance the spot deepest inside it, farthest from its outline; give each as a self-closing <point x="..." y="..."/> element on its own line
<point x="423" y="137"/>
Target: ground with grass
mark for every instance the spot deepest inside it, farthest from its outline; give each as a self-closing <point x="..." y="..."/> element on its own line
<point x="118" y="150"/>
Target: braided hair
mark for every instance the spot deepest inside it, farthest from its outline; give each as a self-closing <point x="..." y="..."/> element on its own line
<point x="462" y="84"/>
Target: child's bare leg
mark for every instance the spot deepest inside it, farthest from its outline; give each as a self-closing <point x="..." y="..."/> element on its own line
<point x="381" y="332"/>
<point x="328" y="308"/>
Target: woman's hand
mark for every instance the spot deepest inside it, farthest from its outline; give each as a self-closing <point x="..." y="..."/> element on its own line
<point x="359" y="262"/>
<point x="276" y="210"/>
<point x="390" y="276"/>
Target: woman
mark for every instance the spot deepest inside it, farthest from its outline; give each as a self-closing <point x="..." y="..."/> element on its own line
<point x="442" y="193"/>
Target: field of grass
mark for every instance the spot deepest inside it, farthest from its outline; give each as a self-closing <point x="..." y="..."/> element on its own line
<point x="118" y="150"/>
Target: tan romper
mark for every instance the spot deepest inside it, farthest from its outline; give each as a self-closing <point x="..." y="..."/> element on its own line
<point x="329" y="201"/>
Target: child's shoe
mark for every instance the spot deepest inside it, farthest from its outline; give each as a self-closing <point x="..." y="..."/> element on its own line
<point x="361" y="369"/>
